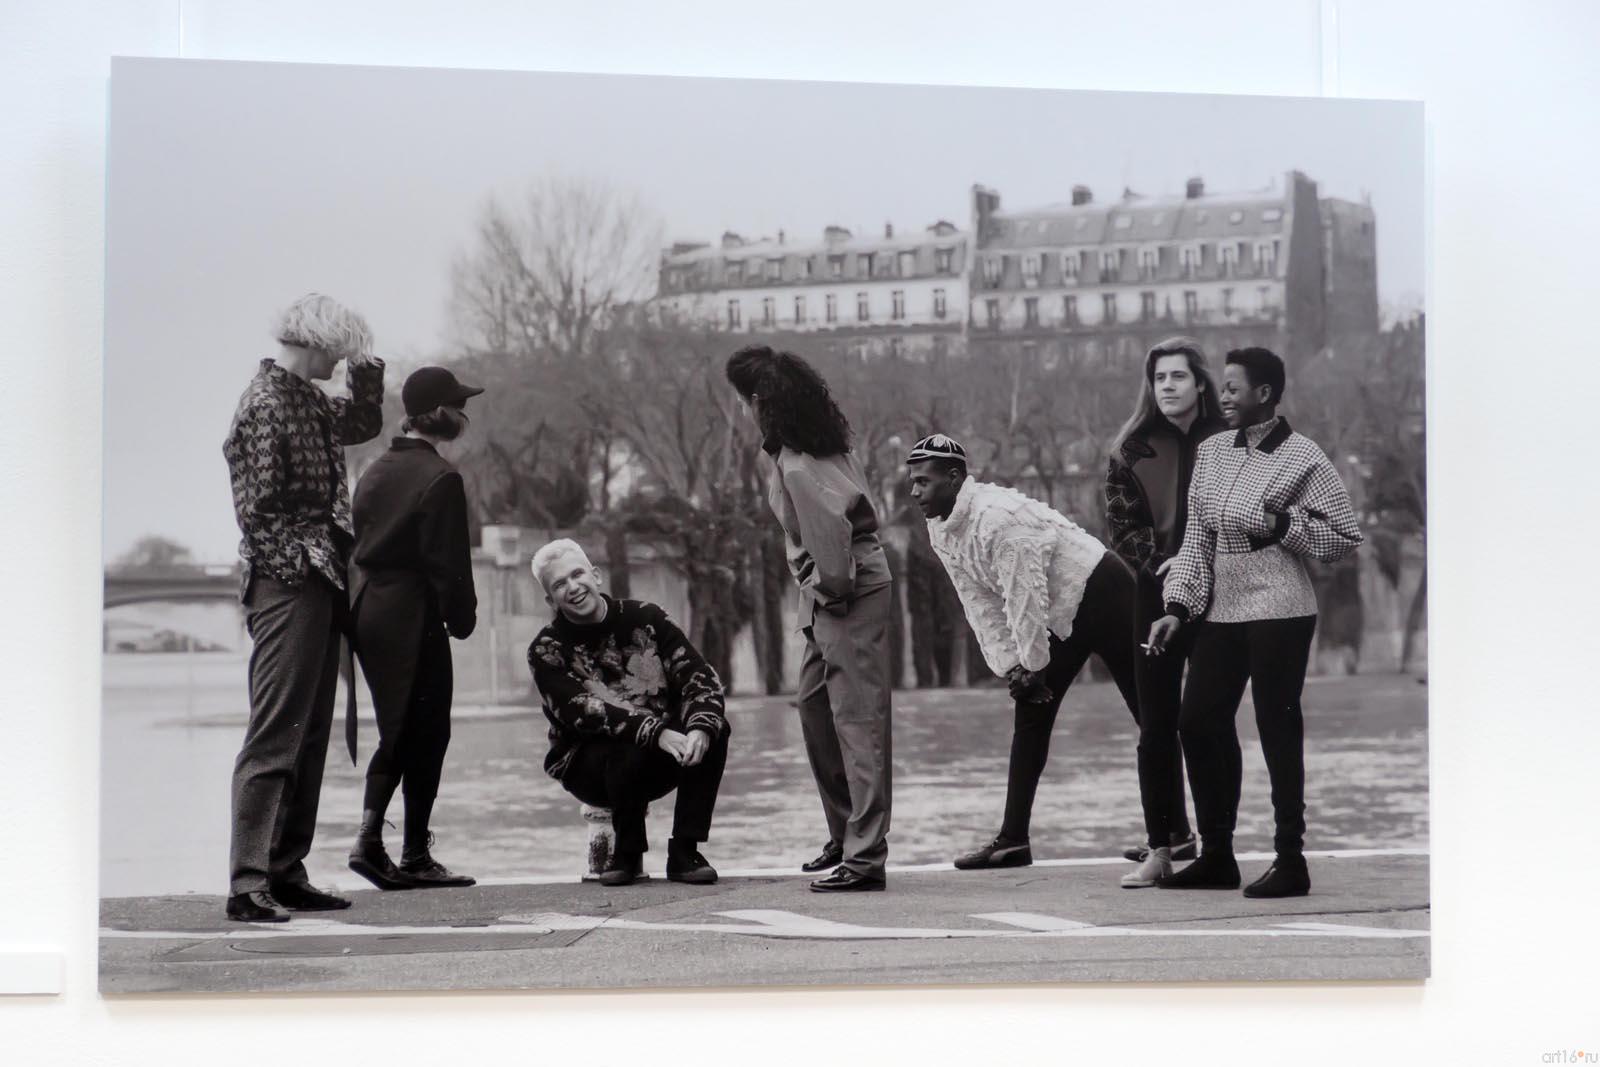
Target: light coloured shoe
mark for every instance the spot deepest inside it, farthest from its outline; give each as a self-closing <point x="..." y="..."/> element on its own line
<point x="1157" y="863"/>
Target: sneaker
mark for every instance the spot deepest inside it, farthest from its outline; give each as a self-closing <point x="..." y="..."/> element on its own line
<point x="689" y="867"/>
<point x="1287" y="877"/>
<point x="1213" y="870"/>
<point x="623" y="869"/>
<point x="1183" y="849"/>
<point x="1001" y="852"/>
<point x="1157" y="864"/>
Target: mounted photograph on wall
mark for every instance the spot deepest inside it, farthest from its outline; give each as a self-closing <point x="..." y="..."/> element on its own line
<point x="579" y="531"/>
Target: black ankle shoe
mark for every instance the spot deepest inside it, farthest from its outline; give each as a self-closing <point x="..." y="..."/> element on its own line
<point x="1213" y="870"/>
<point x="370" y="860"/>
<point x="256" y="907"/>
<point x="832" y="856"/>
<point x="688" y="866"/>
<point x="424" y="872"/>
<point x="1287" y="877"/>
<point x="624" y="869"/>
<point x="1001" y="852"/>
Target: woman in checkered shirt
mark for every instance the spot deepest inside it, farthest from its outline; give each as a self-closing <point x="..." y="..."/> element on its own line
<point x="1262" y="500"/>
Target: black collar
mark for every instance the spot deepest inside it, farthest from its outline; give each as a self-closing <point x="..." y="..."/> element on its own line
<point x="1280" y="433"/>
<point x="411" y="444"/>
<point x="771" y="445"/>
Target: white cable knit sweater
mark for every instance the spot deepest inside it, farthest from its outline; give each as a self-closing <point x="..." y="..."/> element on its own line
<point x="1019" y="567"/>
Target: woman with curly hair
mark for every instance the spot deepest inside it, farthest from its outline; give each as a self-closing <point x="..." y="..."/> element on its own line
<point x="818" y="491"/>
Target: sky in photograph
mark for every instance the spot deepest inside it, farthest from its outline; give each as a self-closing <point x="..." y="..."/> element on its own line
<point x="233" y="188"/>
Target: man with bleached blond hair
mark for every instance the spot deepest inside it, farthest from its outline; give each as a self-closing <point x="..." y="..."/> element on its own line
<point x="285" y="453"/>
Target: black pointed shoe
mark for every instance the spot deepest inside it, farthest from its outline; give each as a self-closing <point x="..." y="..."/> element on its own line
<point x="832" y="856"/>
<point x="256" y="907"/>
<point x="303" y="896"/>
<point x="844" y="880"/>
<point x="370" y="860"/>
<point x="1287" y="877"/>
<point x="425" y="872"/>
<point x="1001" y="852"/>
<point x="1213" y="870"/>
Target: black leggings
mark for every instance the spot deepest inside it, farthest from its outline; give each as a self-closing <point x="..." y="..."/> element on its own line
<point x="1160" y="681"/>
<point x="413" y="738"/>
<point x="1272" y="655"/>
<point x="1102" y="627"/>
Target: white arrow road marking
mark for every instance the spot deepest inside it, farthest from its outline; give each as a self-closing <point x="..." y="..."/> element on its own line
<point x="764" y="922"/>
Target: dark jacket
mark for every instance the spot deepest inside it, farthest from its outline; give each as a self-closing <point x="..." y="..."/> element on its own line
<point x="1147" y="490"/>
<point x="625" y="679"/>
<point x="412" y="558"/>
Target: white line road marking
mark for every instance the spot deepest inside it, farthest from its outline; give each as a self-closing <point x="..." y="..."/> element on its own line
<point x="763" y="922"/>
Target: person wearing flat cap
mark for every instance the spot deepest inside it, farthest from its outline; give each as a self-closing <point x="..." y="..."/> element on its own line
<point x="1042" y="596"/>
<point x="411" y="591"/>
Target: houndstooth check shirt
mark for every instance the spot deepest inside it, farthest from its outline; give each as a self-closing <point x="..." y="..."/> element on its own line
<point x="1261" y="501"/>
<point x="285" y="453"/>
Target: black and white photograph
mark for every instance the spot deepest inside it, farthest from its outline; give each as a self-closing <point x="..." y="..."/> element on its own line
<point x="579" y="531"/>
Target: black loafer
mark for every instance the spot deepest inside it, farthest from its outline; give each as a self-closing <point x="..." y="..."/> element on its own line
<point x="844" y="880"/>
<point x="832" y="856"/>
<point x="1213" y="870"/>
<point x="256" y="907"/>
<point x="998" y="853"/>
<point x="302" y="896"/>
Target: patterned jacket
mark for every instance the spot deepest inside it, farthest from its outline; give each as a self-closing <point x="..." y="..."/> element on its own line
<point x="625" y="678"/>
<point x="1019" y="567"/>
<point x="1147" y="490"/>
<point x="285" y="453"/>
<point x="1261" y="501"/>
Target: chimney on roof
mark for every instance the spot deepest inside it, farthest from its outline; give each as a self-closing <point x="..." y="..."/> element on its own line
<point x="780" y="237"/>
<point x="731" y="239"/>
<point x="1081" y="195"/>
<point x="1194" y="189"/>
<point x="985" y="202"/>
<point x="888" y="229"/>
<point x="832" y="234"/>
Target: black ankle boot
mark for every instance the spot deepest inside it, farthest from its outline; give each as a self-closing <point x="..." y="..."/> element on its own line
<point x="1215" y="869"/>
<point x="370" y="860"/>
<point x="1287" y="877"/>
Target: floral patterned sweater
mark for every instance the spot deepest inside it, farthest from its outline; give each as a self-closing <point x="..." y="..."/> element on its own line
<point x="625" y="678"/>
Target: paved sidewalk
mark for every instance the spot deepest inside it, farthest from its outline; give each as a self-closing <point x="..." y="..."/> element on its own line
<point x="1367" y="918"/>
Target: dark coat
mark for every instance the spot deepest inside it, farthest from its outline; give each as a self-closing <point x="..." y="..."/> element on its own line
<point x="1147" y="490"/>
<point x="411" y="570"/>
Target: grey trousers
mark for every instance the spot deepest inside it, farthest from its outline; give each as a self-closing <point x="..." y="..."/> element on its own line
<point x="277" y="779"/>
<point x="844" y="718"/>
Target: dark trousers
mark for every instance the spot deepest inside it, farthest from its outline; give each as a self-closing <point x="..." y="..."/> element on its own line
<point x="413" y="723"/>
<point x="277" y="779"/>
<point x="1271" y="654"/>
<point x="1102" y="627"/>
<point x="625" y="778"/>
<point x="1160" y="684"/>
<point x="845" y="721"/>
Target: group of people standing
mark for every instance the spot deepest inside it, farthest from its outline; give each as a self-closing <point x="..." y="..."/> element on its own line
<point x="1213" y="502"/>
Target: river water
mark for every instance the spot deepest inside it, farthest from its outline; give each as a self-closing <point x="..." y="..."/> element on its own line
<point x="172" y="724"/>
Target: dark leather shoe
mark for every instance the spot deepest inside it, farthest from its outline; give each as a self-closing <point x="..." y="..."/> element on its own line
<point x="1183" y="848"/>
<point x="302" y="896"/>
<point x="1287" y="877"/>
<point x="832" y="856"/>
<point x="256" y="907"/>
<point x="429" y="873"/>
<point x="1001" y="852"/>
<point x="371" y="861"/>
<point x="690" y="868"/>
<point x="623" y="870"/>
<point x="844" y="880"/>
<point x="1213" y="870"/>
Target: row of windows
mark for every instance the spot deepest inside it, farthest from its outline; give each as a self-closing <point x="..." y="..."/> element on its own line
<point x="897" y="308"/>
<point x="812" y="268"/>
<point x="1148" y="311"/>
<point x="1078" y="267"/>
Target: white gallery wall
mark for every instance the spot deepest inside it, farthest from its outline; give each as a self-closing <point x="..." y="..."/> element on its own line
<point x="1513" y="155"/>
